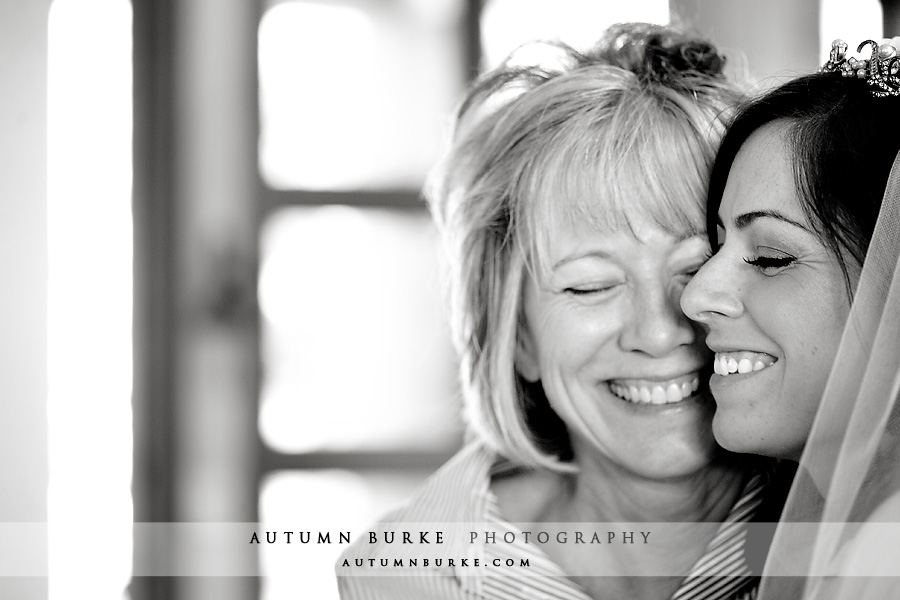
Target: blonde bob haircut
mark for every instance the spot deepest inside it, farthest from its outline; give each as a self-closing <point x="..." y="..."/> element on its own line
<point x="628" y="128"/>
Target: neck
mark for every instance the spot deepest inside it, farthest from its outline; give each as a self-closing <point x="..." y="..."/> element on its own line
<point x="605" y="492"/>
<point x="679" y="516"/>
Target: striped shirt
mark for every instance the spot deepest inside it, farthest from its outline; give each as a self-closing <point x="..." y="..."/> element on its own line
<point x="459" y="495"/>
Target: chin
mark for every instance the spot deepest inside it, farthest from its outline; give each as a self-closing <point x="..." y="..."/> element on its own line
<point x="727" y="434"/>
<point x="681" y="470"/>
<point x="736" y="435"/>
<point x="685" y="460"/>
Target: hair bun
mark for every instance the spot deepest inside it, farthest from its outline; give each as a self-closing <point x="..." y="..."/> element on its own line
<point x="659" y="52"/>
<point x="665" y="56"/>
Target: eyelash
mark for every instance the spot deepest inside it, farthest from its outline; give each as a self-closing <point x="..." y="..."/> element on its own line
<point x="589" y="291"/>
<point x="706" y="256"/>
<point x="764" y="263"/>
<point x="690" y="272"/>
<point x="608" y="288"/>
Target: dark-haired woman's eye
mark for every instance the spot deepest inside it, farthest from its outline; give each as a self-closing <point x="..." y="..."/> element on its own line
<point x="768" y="265"/>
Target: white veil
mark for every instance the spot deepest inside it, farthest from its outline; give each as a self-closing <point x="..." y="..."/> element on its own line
<point x="839" y="534"/>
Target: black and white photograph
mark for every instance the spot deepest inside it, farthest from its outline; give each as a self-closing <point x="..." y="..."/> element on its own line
<point x="450" y="299"/>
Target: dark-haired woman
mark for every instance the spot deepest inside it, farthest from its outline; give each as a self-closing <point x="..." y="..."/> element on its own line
<point x="802" y="303"/>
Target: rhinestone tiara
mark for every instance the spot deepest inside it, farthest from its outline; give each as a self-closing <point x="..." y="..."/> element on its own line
<point x="881" y="70"/>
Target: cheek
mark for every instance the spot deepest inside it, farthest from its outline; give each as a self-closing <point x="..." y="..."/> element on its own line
<point x="805" y="381"/>
<point x="823" y="309"/>
<point x="825" y="330"/>
<point x="807" y="326"/>
<point x="805" y="315"/>
<point x="576" y="335"/>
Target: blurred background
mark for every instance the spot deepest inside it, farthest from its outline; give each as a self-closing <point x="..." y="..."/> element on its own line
<point x="222" y="298"/>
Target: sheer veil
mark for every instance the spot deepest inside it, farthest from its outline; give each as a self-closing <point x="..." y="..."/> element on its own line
<point x="839" y="534"/>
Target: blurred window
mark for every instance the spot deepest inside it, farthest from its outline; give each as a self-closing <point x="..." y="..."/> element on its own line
<point x="358" y="399"/>
<point x="350" y="500"/>
<point x="355" y="342"/>
<point x="352" y="94"/>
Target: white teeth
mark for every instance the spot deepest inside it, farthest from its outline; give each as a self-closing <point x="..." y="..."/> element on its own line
<point x="741" y="362"/>
<point x="659" y="395"/>
<point x="669" y="393"/>
<point x="673" y="393"/>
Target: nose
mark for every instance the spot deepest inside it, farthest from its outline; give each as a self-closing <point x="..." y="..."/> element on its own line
<point x="712" y="293"/>
<point x="657" y="326"/>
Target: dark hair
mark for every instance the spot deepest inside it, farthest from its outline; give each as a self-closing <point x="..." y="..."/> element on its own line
<point x="843" y="140"/>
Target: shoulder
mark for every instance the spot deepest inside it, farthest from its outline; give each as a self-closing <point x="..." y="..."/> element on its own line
<point x="400" y="587"/>
<point x="454" y="494"/>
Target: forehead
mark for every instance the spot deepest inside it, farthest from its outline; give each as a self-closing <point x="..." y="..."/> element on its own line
<point x="623" y="211"/>
<point x="565" y="235"/>
<point x="762" y="176"/>
<point x="574" y="245"/>
<point x="612" y="195"/>
<point x="603" y="176"/>
<point x="605" y="212"/>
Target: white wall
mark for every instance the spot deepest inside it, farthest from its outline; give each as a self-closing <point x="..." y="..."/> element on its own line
<point x="767" y="41"/>
<point x="23" y="273"/>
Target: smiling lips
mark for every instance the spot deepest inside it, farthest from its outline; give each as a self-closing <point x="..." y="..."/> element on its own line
<point x="729" y="363"/>
<point x="656" y="392"/>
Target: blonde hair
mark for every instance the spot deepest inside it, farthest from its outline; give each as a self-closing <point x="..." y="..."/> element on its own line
<point x="630" y="127"/>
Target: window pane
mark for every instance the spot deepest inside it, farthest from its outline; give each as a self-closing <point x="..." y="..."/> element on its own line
<point x="356" y="95"/>
<point x="356" y="350"/>
<point x="506" y="24"/>
<point x="322" y="500"/>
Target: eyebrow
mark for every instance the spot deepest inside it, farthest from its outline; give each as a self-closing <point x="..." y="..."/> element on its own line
<point x="744" y="220"/>
<point x="602" y="254"/>
<point x="574" y="257"/>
